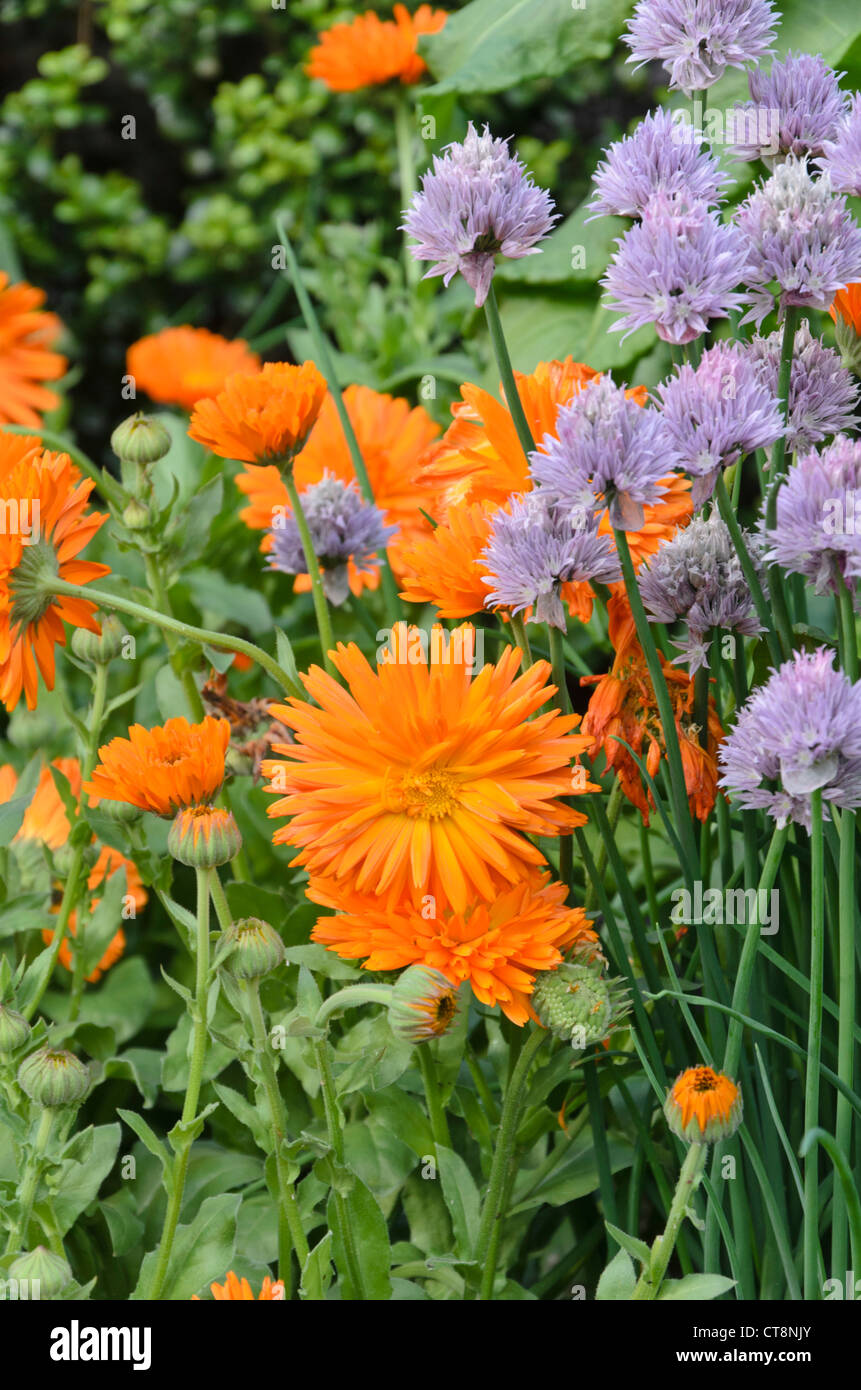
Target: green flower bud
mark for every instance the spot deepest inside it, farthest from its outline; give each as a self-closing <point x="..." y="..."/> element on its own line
<point x="46" y="1274"/>
<point x="52" y="1077"/>
<point x="14" y="1029"/>
<point x="137" y="515"/>
<point x="849" y="344"/>
<point x="120" y="811"/>
<point x="577" y="1003"/>
<point x="257" y="949"/>
<point x="140" y="439"/>
<point x="99" y="648"/>
<point x="423" y="1004"/>
<point x="204" y="837"/>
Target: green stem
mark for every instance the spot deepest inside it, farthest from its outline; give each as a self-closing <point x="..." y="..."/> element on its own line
<point x="30" y="1181"/>
<point x="649" y="1283"/>
<point x="321" y="607"/>
<point x="406" y="173"/>
<point x="183" y="673"/>
<point x="349" y="997"/>
<point x="814" y="1045"/>
<point x="336" y="1140"/>
<point x="701" y="704"/>
<point x="509" y="385"/>
<point x="732" y="1053"/>
<point x="97" y="718"/>
<point x="436" y="1109"/>
<point x="518" y="632"/>
<point x="845" y="1039"/>
<point x="778" y="459"/>
<point x="750" y="574"/>
<point x="849" y="636"/>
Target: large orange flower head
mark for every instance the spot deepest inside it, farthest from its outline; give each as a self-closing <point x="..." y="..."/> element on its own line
<point x="422" y="778"/>
<point x="623" y="706"/>
<point x="262" y="416"/>
<point x="496" y="946"/>
<point x="27" y="334"/>
<point x="181" y="366"/>
<point x="370" y="51"/>
<point x="163" y="769"/>
<point x="45" y="527"/>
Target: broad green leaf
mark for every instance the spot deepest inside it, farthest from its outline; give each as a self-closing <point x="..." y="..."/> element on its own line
<point x="575" y="1176"/>
<point x="220" y="599"/>
<point x="86" y="1163"/>
<point x="540" y="327"/>
<point x="317" y="1269"/>
<point x="461" y="1198"/>
<point x="576" y="252"/>
<point x="638" y="1248"/>
<point x="202" y="1251"/>
<point x="695" y="1286"/>
<point x="124" y="1225"/>
<point x="370" y="1242"/>
<point x="618" y="1280"/>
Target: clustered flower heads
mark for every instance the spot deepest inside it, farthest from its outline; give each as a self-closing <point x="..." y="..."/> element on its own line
<point x="608" y="452"/>
<point x="475" y="204"/>
<point x="842" y="154"/>
<point x="816" y="532"/>
<point x="678" y="269"/>
<point x="799" y="732"/>
<point x="535" y="547"/>
<point x="662" y="156"/>
<point x="343" y="527"/>
<point x="800" y="234"/>
<point x="717" y="412"/>
<point x="698" y="576"/>
<point x="805" y="95"/>
<point x="822" y="393"/>
<point x="697" y="42"/>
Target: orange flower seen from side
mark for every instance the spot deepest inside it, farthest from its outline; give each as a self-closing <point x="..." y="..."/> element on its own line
<point x="497" y="947"/>
<point x="53" y="527"/>
<point x="27" y="335"/>
<point x="370" y="51"/>
<point x="163" y="769"/>
<point x="234" y="1288"/>
<point x="420" y="777"/>
<point x="703" y="1105"/>
<point x="181" y="366"/>
<point x="261" y="416"/>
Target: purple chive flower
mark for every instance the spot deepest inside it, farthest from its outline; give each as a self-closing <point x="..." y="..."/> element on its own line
<point x="535" y="548"/>
<point x="343" y="527"/>
<point x="608" y="453"/>
<point x="798" y="732"/>
<point x="476" y="203"/>
<point x="842" y="154"/>
<point x="678" y="269"/>
<point x="663" y="155"/>
<point x="698" y="576"/>
<point x="794" y="110"/>
<point x="822" y="393"/>
<point x="816" y="533"/>
<point x="718" y="412"/>
<point x="697" y="40"/>
<point x="801" y="235"/>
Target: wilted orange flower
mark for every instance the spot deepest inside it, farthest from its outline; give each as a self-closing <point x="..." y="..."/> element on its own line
<point x="51" y="528"/>
<point x="421" y="778"/>
<point x="496" y="946"/>
<point x="445" y="568"/>
<point x="165" y="768"/>
<point x="847" y="303"/>
<point x="261" y="416"/>
<point x="181" y="366"/>
<point x="27" y="334"/>
<point x="703" y="1105"/>
<point x="370" y="51"/>
<point x="624" y="706"/>
<point x="236" y="1288"/>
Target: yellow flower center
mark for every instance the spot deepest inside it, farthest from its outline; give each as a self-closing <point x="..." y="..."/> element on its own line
<point x="431" y="795"/>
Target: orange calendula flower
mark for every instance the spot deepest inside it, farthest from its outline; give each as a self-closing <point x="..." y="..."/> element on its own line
<point x="15" y="447"/>
<point x="703" y="1106"/>
<point x="420" y="777"/>
<point x="261" y="416"/>
<point x="370" y="51"/>
<point x="47" y="526"/>
<point x="446" y="568"/>
<point x="27" y="335"/>
<point x="497" y="947"/>
<point x="233" y="1288"/>
<point x="847" y="306"/>
<point x="163" y="769"/>
<point x="181" y="366"/>
<point x="623" y="706"/>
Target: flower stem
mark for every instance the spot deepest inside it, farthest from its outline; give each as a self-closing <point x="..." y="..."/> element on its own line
<point x="649" y="1283"/>
<point x="406" y="172"/>
<point x="97" y="717"/>
<point x="518" y="632"/>
<point x="814" y="1045"/>
<point x="849" y="636"/>
<point x="336" y="1140"/>
<point x="759" y="601"/>
<point x="845" y="1032"/>
<point x="503" y="362"/>
<point x="30" y="1181"/>
<point x="321" y="607"/>
<point x="436" y="1109"/>
<point x="778" y="459"/>
<point x="163" y="604"/>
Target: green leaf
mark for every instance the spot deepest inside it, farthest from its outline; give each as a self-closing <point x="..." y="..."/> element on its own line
<point x="285" y="657"/>
<point x="370" y="1242"/>
<point x="575" y="1176"/>
<point x="540" y="327"/>
<point x="638" y="1248"/>
<point x="221" y="599"/>
<point x="461" y="1197"/>
<point x="148" y="1137"/>
<point x="574" y="253"/>
<point x="202" y="1251"/>
<point x="618" y="1280"/>
<point x="87" y="1160"/>
<point x="247" y="1115"/>
<point x="695" y="1286"/>
<point x="317" y="1269"/>
<point x="124" y="1225"/>
<point x="401" y="1113"/>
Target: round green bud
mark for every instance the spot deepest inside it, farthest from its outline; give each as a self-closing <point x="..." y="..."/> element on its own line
<point x="256" y="950"/>
<point x="14" y="1029"/>
<point x="204" y="837"/>
<point x="46" y="1274"/>
<point x="140" y="439"/>
<point x="137" y="515"/>
<point x="120" y="811"/>
<point x="576" y="1003"/>
<point x="849" y="344"/>
<point x="53" y="1077"/>
<point x="99" y="647"/>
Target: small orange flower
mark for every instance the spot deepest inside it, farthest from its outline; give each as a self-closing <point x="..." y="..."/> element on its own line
<point x="847" y="304"/>
<point x="163" y="769"/>
<point x="370" y="51"/>
<point x="496" y="946"/>
<point x="50" y="502"/>
<point x="421" y="778"/>
<point x="181" y="366"/>
<point x="703" y="1106"/>
<point x="27" y="334"/>
<point x="235" y="1288"/>
<point x="261" y="416"/>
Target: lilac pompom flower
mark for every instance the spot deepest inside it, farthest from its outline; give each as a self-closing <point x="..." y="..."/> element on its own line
<point x="535" y="547"/>
<point x="718" y="412"/>
<point x="608" y="452"/>
<point x="678" y="269"/>
<point x="697" y="40"/>
<point x="817" y="533"/>
<point x="343" y="528"/>
<point x="822" y="393"/>
<point x="798" y="733"/>
<point x="841" y="159"/>
<point x="698" y="576"/>
<point x="664" y="155"/>
<point x="800" y="235"/>
<point x="794" y="109"/>
<point x="475" y="204"/>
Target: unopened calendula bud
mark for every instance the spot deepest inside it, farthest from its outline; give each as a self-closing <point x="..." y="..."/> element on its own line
<point x="14" y="1029"/>
<point x="423" y="1004"/>
<point x="140" y="439"/>
<point x="204" y="837"/>
<point x="99" y="647"/>
<point x="256" y="950"/>
<point x="703" y="1106"/>
<point x="43" y="1271"/>
<point x="53" y="1077"/>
